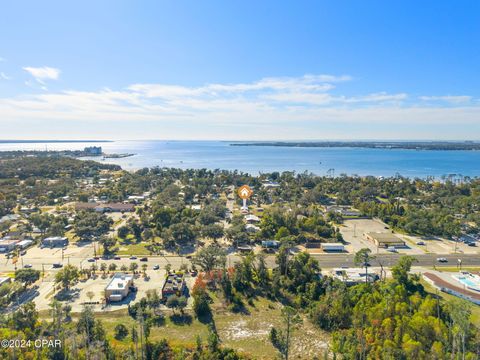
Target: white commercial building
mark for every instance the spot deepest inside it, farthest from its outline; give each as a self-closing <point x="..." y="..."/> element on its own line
<point x="24" y="244"/>
<point x="333" y="247"/>
<point x="55" y="241"/>
<point x="7" y="245"/>
<point x="119" y="287"/>
<point x="353" y="276"/>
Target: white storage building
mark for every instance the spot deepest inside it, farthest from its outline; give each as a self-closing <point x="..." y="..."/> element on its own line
<point x="332" y="247"/>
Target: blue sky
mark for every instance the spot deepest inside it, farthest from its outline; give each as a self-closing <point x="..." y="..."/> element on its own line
<point x="240" y="70"/>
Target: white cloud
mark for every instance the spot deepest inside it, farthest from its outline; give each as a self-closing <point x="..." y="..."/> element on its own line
<point x="43" y="73"/>
<point x="325" y="98"/>
<point x="454" y="99"/>
<point x="301" y="98"/>
<point x="306" y="83"/>
<point x="4" y="76"/>
<point x="378" y="97"/>
<point x="277" y="105"/>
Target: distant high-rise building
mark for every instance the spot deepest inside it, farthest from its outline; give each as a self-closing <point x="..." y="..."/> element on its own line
<point x="93" y="150"/>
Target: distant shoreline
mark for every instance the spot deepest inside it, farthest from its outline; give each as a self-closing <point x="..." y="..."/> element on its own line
<point x="50" y="141"/>
<point x="406" y="145"/>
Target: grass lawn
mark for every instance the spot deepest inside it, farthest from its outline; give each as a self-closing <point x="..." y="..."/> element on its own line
<point x="129" y="246"/>
<point x="132" y="249"/>
<point x="71" y="236"/>
<point x="7" y="274"/>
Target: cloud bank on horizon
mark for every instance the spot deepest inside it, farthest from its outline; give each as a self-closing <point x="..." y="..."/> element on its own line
<point x="240" y="70"/>
<point x="304" y="107"/>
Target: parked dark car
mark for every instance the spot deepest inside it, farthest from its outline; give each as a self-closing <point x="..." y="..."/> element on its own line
<point x="143" y="259"/>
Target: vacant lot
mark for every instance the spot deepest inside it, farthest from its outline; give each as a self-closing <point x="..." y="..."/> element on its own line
<point x="247" y="332"/>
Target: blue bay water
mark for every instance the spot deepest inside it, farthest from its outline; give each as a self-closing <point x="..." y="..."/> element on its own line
<point x="254" y="160"/>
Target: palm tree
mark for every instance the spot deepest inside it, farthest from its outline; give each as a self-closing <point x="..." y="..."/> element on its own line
<point x="94" y="268"/>
<point x="90" y="295"/>
<point x="103" y="268"/>
<point x="133" y="267"/>
<point x="85" y="272"/>
<point x="144" y="269"/>
<point x="112" y="267"/>
<point x="363" y="258"/>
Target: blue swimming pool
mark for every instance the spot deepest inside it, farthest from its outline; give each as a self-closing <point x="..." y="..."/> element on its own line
<point x="471" y="281"/>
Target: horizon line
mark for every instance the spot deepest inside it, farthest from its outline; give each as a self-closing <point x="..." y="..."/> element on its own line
<point x="19" y="141"/>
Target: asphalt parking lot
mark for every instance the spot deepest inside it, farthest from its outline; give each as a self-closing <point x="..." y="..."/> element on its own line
<point x="353" y="233"/>
<point x="95" y="287"/>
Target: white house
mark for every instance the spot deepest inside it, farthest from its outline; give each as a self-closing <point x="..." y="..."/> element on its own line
<point x="250" y="228"/>
<point x="252" y="218"/>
